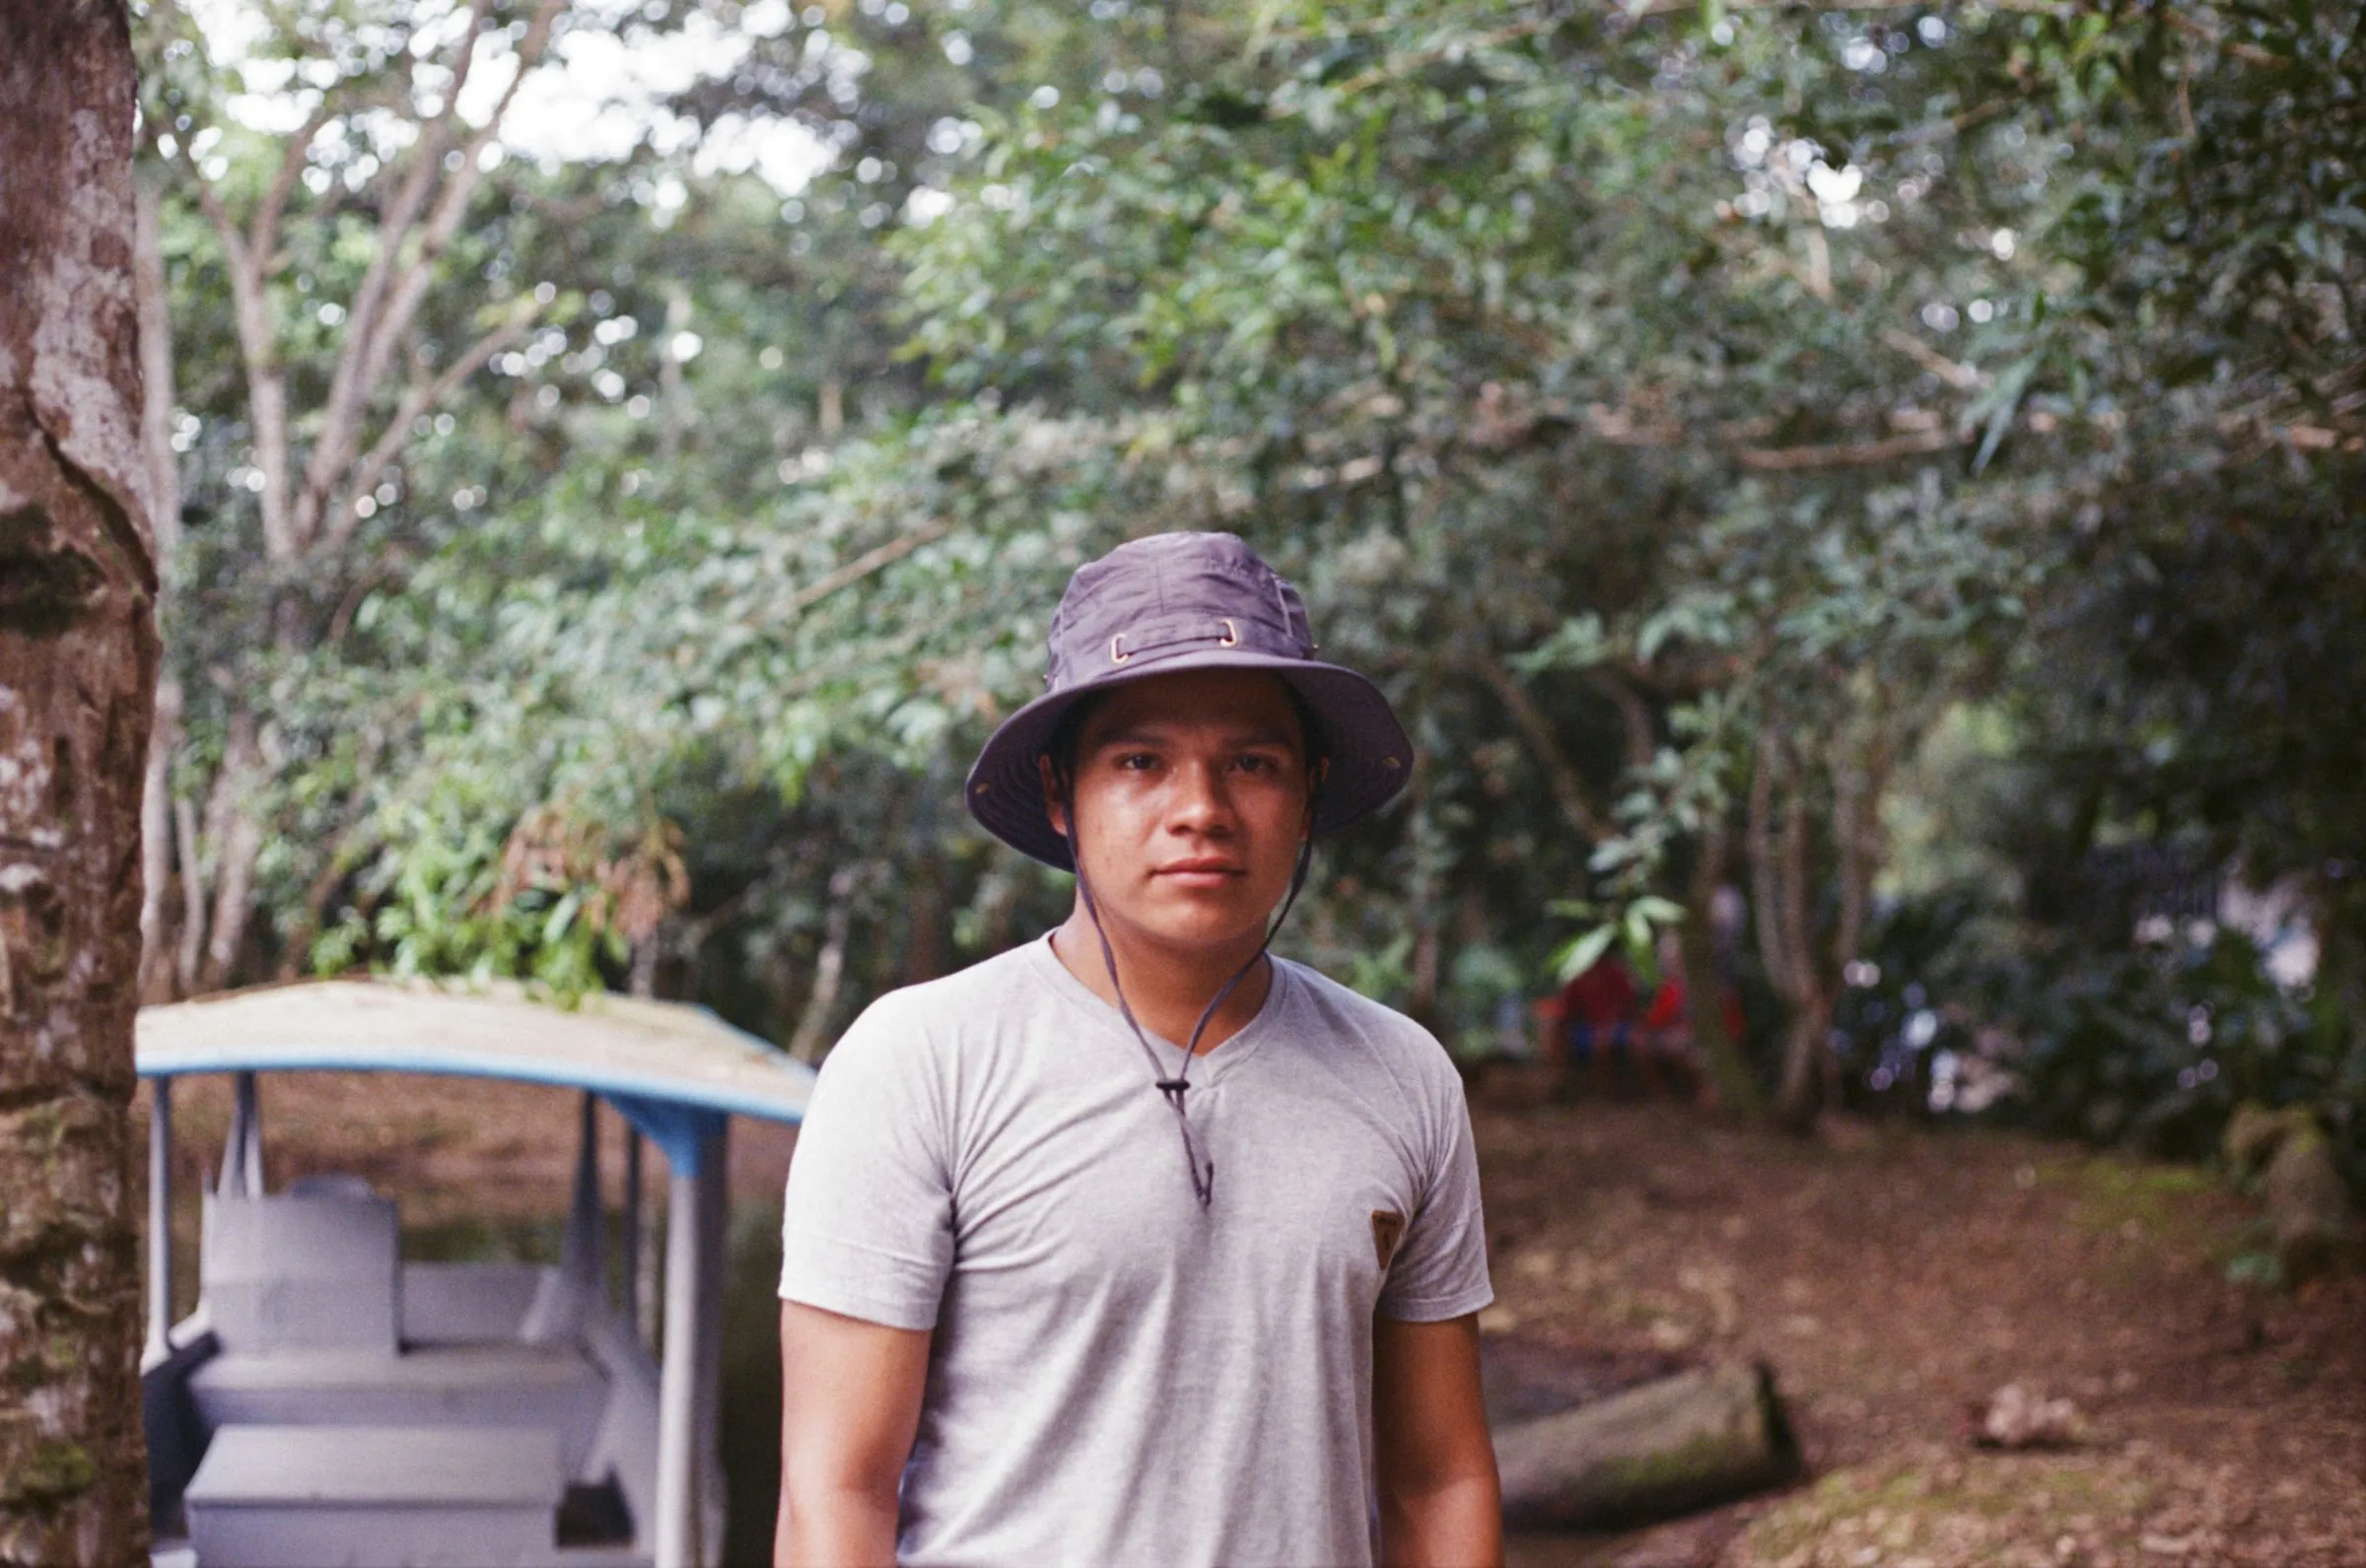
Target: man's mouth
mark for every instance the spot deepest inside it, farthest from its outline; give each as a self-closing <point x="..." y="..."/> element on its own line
<point x="1201" y="872"/>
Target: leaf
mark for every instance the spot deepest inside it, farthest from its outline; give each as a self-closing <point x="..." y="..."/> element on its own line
<point x="562" y="915"/>
<point x="1999" y="404"/>
<point x="1578" y="644"/>
<point x="1581" y="953"/>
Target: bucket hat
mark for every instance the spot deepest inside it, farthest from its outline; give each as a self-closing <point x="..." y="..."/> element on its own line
<point x="1182" y="601"/>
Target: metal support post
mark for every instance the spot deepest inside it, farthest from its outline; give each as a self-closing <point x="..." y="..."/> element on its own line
<point x="580" y="1249"/>
<point x="677" y="1502"/>
<point x="160" y="1221"/>
<point x="243" y="1151"/>
<point x="714" y="1176"/>
<point x="631" y="1289"/>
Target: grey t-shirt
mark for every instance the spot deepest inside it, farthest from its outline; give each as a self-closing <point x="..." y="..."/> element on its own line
<point x="1118" y="1376"/>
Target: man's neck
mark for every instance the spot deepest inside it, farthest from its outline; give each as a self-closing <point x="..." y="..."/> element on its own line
<point x="1166" y="990"/>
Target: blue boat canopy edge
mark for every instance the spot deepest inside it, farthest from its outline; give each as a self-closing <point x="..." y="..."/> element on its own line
<point x="671" y="1053"/>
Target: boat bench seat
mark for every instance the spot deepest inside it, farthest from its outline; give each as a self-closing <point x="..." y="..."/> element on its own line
<point x="376" y="1497"/>
<point x="554" y="1388"/>
<point x="311" y="1269"/>
<point x="468" y="1303"/>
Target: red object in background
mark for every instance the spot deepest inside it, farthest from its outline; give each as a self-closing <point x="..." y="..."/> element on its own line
<point x="1602" y="998"/>
<point x="1670" y="1008"/>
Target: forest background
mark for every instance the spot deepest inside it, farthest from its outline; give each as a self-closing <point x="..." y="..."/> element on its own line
<point x="1898" y="464"/>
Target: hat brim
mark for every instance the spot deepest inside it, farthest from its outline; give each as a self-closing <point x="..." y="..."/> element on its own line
<point x="1369" y="755"/>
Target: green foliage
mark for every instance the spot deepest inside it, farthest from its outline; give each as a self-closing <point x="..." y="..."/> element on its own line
<point x="435" y="913"/>
<point x="1634" y="928"/>
<point x="2152" y="1044"/>
<point x="2158" y="1045"/>
<point x="1639" y="394"/>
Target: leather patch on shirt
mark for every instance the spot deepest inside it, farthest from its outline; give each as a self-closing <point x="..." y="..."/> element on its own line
<point x="1387" y="1230"/>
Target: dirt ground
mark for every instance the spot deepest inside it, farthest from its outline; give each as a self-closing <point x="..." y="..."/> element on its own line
<point x="1894" y="1279"/>
<point x="1890" y="1276"/>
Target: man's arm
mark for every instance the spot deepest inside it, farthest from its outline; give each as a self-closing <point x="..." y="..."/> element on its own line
<point x="849" y="1402"/>
<point x="1440" y="1503"/>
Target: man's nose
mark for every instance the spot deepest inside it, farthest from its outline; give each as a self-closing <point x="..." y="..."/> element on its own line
<point x="1203" y="799"/>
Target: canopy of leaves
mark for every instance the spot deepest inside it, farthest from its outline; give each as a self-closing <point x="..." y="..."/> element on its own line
<point x="1648" y="396"/>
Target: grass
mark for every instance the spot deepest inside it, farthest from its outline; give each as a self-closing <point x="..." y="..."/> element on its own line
<point x="1945" y="1508"/>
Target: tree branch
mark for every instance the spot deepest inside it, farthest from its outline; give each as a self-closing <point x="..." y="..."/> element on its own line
<point x="258" y="354"/>
<point x="1635" y="714"/>
<point x="1860" y="455"/>
<point x="1408" y="64"/>
<point x="2250" y="53"/>
<point x="371" y="347"/>
<point x="864" y="565"/>
<point x="262" y="234"/>
<point x="1566" y="782"/>
<point x="1654" y="8"/>
<point x="349" y="384"/>
<point x="341" y="519"/>
<point x="1963" y="377"/>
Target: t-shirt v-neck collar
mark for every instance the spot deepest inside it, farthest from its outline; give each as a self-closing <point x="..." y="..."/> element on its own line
<point x="1213" y="1063"/>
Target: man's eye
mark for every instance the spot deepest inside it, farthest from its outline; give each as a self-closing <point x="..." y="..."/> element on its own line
<point x="1254" y="762"/>
<point x="1137" y="761"/>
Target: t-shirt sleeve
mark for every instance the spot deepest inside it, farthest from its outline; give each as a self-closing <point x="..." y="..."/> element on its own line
<point x="866" y="1224"/>
<point x="1439" y="1271"/>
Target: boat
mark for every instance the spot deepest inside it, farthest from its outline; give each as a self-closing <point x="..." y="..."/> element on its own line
<point x="330" y="1405"/>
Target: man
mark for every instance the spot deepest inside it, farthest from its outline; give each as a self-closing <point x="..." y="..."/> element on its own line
<point x="1136" y="1245"/>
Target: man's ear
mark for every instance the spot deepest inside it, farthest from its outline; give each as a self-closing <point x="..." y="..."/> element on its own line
<point x="1314" y="785"/>
<point x="1055" y="805"/>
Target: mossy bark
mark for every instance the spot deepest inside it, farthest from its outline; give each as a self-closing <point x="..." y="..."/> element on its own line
<point x="1685" y="1442"/>
<point x="78" y="662"/>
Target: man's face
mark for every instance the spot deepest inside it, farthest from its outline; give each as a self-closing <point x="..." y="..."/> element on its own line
<point x="1191" y="802"/>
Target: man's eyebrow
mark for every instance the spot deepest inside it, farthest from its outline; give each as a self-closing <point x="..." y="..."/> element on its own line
<point x="1149" y="731"/>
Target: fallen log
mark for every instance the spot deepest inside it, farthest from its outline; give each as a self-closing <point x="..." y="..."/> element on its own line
<point x="1523" y="1378"/>
<point x="1665" y="1448"/>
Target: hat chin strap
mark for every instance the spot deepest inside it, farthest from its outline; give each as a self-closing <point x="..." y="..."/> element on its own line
<point x="1202" y="1168"/>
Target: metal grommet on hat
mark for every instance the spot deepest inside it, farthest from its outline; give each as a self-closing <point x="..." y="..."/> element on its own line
<point x="1177" y="601"/>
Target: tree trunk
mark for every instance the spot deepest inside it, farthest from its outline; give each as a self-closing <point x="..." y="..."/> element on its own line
<point x="1806" y="1046"/>
<point x="235" y="827"/>
<point x="1668" y="1447"/>
<point x="829" y="969"/>
<point x="1797" y="1097"/>
<point x="1780" y="910"/>
<point x="78" y="661"/>
<point x="156" y="846"/>
<point x="164" y="515"/>
<point x="192" y="945"/>
<point x="1704" y="984"/>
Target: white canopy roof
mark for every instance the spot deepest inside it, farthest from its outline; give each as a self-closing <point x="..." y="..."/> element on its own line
<point x="665" y="1052"/>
